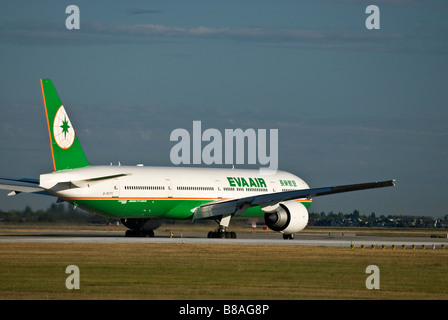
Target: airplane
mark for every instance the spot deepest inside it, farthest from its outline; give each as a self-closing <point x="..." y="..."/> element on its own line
<point x="142" y="197"/>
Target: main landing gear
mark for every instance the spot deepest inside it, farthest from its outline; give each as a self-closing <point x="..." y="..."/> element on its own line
<point x="137" y="229"/>
<point x="222" y="232"/>
<point x="139" y="233"/>
<point x="288" y="236"/>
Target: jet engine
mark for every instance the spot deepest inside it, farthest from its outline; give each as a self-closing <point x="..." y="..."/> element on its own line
<point x="288" y="218"/>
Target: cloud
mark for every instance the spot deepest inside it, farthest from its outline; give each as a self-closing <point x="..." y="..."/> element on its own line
<point x="143" y="11"/>
<point x="97" y="33"/>
<point x="254" y="34"/>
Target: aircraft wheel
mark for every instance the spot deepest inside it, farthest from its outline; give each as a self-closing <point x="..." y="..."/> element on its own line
<point x="130" y="233"/>
<point x="221" y="235"/>
<point x="136" y="233"/>
<point x="150" y="233"/>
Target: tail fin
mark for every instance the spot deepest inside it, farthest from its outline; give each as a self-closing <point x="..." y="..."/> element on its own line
<point x="65" y="148"/>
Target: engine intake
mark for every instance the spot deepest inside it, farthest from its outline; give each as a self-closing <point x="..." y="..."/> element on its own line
<point x="289" y="217"/>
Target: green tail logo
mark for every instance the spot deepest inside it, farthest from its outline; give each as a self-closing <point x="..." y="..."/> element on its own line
<point x="65" y="148"/>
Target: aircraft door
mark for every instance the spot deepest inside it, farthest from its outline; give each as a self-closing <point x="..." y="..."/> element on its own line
<point x="169" y="187"/>
<point x="273" y="186"/>
<point x="116" y="188"/>
<point x="218" y="188"/>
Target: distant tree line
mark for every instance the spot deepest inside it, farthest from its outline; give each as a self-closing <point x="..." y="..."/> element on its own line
<point x="355" y="219"/>
<point x="57" y="212"/>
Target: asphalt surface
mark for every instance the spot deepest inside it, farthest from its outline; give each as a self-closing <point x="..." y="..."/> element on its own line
<point x="304" y="239"/>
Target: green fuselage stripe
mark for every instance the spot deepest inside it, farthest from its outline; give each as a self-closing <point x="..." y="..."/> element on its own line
<point x="153" y="208"/>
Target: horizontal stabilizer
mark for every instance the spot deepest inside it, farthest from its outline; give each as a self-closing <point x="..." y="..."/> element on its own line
<point x="84" y="182"/>
<point x="26" y="180"/>
<point x="80" y="182"/>
<point x="25" y="185"/>
<point x="16" y="189"/>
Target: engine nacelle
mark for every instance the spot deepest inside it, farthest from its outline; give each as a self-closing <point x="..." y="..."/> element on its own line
<point x="289" y="217"/>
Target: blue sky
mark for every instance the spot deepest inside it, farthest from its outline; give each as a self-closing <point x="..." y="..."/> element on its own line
<point x="351" y="104"/>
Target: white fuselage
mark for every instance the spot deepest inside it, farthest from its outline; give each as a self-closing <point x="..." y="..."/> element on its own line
<point x="174" y="186"/>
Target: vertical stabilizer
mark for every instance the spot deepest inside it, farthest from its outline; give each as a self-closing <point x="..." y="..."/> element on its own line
<point x="66" y="150"/>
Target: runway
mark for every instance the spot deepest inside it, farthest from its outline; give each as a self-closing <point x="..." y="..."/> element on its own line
<point x="303" y="239"/>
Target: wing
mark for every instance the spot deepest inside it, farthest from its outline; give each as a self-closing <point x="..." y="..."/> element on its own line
<point x="22" y="185"/>
<point x="240" y="205"/>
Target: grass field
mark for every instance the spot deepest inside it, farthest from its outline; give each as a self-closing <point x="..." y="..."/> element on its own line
<point x="192" y="271"/>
